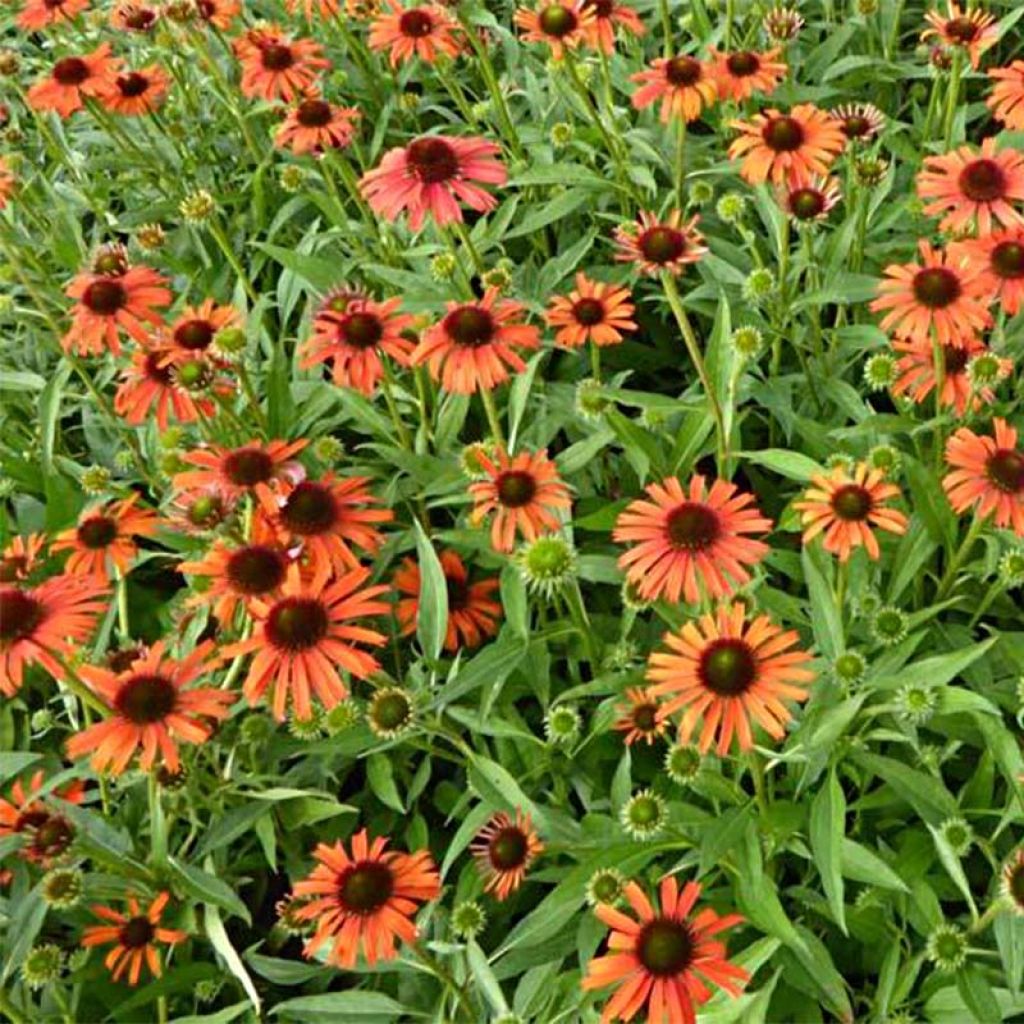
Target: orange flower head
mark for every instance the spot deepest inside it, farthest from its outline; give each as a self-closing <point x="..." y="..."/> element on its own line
<point x="314" y="125"/>
<point x="995" y="266"/>
<point x="987" y="475"/>
<point x="72" y="79"/>
<point x="196" y="326"/>
<point x="845" y="508"/>
<point x="153" y="706"/>
<point x="218" y="13"/>
<point x="303" y="636"/>
<point x="47" y="832"/>
<point x="133" y="936"/>
<point x="686" y="540"/>
<point x="609" y="15"/>
<point x="432" y="175"/>
<point x="277" y="67"/>
<point x="325" y="10"/>
<point x="524" y="492"/>
<point x="7" y="182"/>
<point x="105" y="537"/>
<point x="150" y="388"/>
<point x="664" y="960"/>
<point x="809" y="199"/>
<point x="474" y="345"/>
<point x="781" y="146"/>
<point x="973" y="190"/>
<point x="639" y="718"/>
<point x="255" y="466"/>
<point x="739" y="75"/>
<point x="916" y="368"/>
<point x="133" y="16"/>
<point x="729" y="672"/>
<point x="108" y="303"/>
<point x="655" y="245"/>
<point x="684" y="85"/>
<point x="238" y="574"/>
<point x="38" y="14"/>
<point x="1007" y="98"/>
<point x="364" y="901"/>
<point x="504" y="849"/>
<point x="935" y="296"/>
<point x="592" y="311"/>
<point x="19" y="558"/>
<point x="44" y="624"/>
<point x="424" y="31"/>
<point x="352" y="333"/>
<point x="560" y="24"/>
<point x="325" y="517"/>
<point x="974" y="31"/>
<point x="134" y="93"/>
<point x="472" y="611"/>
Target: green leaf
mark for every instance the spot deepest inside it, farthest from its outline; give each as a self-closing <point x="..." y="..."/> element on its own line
<point x="201" y="885"/>
<point x="234" y="823"/>
<point x="346" y="1005"/>
<point x="936" y="671"/>
<point x="381" y="777"/>
<point x="13" y="763"/>
<point x="827" y="829"/>
<point x="483" y="976"/>
<point x="218" y="937"/>
<point x="225" y="1016"/>
<point x="923" y="792"/>
<point x="432" y="616"/>
<point x="825" y="620"/>
<point x="554" y="210"/>
<point x="951" y="862"/>
<point x="492" y="665"/>
<point x="786" y="463"/>
<point x="977" y="995"/>
<point x="860" y="864"/>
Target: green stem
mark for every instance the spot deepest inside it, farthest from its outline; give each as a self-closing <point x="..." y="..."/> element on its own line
<point x="595" y="361"/>
<point x="952" y="97"/>
<point x="681" y="163"/>
<point x="123" y="624"/>
<point x="578" y="613"/>
<point x="949" y="576"/>
<point x="462" y="231"/>
<point x="730" y="17"/>
<point x="986" y="602"/>
<point x="506" y="123"/>
<point x="666" y="26"/>
<point x="389" y="398"/>
<point x="756" y="769"/>
<point x="157" y="822"/>
<point x="10" y="1010"/>
<point x="229" y="254"/>
<point x="693" y="347"/>
<point x="487" y="397"/>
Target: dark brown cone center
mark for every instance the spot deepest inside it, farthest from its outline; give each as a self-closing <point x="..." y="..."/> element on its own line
<point x="297" y="623"/>
<point x="983" y="181"/>
<point x="97" y="532"/>
<point x="852" y="503"/>
<point x="693" y="527"/>
<point x="145" y="699"/>
<point x="516" y="488"/>
<point x="728" y="667"/>
<point x="433" y="160"/>
<point x="257" y="569"/>
<point x="664" y="947"/>
<point x="508" y="849"/>
<point x="20" y="615"/>
<point x="365" y="887"/>
<point x="783" y="134"/>
<point x="936" y="287"/>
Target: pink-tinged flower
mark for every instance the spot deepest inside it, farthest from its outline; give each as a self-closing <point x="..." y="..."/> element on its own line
<point x="655" y="245"/>
<point x="987" y="475"/>
<point x="916" y="367"/>
<point x="1007" y="99"/>
<point x="314" y="125"/>
<point x="995" y="266"/>
<point x="277" y="67"/>
<point x="432" y="175"/>
<point x="423" y="31"/>
<point x="974" y="31"/>
<point x="609" y="15"/>
<point x="72" y="79"/>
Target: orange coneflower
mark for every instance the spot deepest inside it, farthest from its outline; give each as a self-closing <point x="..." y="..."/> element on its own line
<point x="238" y="574"/>
<point x="133" y="93"/>
<point x="684" y="85"/>
<point x="729" y="672"/>
<point x="472" y="611"/>
<point x="779" y="146"/>
<point x="655" y="245"/>
<point x="846" y="507"/>
<point x="48" y="832"/>
<point x="313" y="125"/>
<point x="688" y="538"/>
<point x="153" y="705"/>
<point x="807" y="199"/>
<point x="1007" y="99"/>
<point x="45" y="623"/>
<point x="134" y="936"/>
<point x="663" y="961"/>
<point x="325" y="517"/>
<point x="237" y="471"/>
<point x="303" y="636"/>
<point x="609" y="14"/>
<point x="7" y="182"/>
<point x="198" y="511"/>
<point x="639" y="718"/>
<point x="275" y="66"/>
<point x="975" y="30"/>
<point x="559" y="24"/>
<point x="473" y="346"/>
<point x="197" y="326"/>
<point x="325" y="9"/>
<point x="72" y="79"/>
<point x="861" y="121"/>
<point x="149" y="387"/>
<point x="37" y="14"/>
<point x="504" y="849"/>
<point x="366" y="900"/>
<point x="432" y="175"/>
<point x="19" y="558"/>
<point x="739" y="75"/>
<point x="133" y="16"/>
<point x="352" y="332"/>
<point x="987" y="475"/>
<point x="106" y="535"/>
<point x="593" y="311"/>
<point x="422" y="31"/>
<point x="995" y="266"/>
<point x="526" y="493"/>
<point x="108" y="302"/>
<point x="916" y="368"/>
<point x="935" y="294"/>
<point x="976" y="189"/>
<point x="218" y="13"/>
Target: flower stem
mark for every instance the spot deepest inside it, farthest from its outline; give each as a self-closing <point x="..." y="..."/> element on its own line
<point x="952" y="96"/>
<point x="229" y="254"/>
<point x="949" y="576"/>
<point x="681" y="163"/>
<point x="666" y="25"/>
<point x="693" y="347"/>
<point x="487" y="397"/>
<point x="157" y="821"/>
<point x="123" y="624"/>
